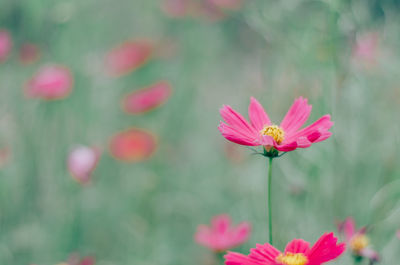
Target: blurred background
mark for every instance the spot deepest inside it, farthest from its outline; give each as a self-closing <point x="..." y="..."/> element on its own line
<point x="109" y="109"/>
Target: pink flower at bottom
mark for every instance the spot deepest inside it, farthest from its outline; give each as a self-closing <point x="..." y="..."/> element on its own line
<point x="357" y="241"/>
<point x="261" y="131"/>
<point x="82" y="160"/>
<point x="51" y="82"/>
<point x="5" y="44"/>
<point x="297" y="252"/>
<point x="222" y="235"/>
<point x="146" y="99"/>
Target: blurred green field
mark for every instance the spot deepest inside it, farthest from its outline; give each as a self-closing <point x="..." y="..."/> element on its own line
<point x="146" y="213"/>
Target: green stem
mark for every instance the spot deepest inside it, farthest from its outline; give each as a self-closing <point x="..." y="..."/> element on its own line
<point x="269" y="201"/>
<point x="219" y="257"/>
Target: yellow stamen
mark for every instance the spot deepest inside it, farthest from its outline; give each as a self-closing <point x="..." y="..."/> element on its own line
<point x="292" y="259"/>
<point x="359" y="242"/>
<point x="275" y="132"/>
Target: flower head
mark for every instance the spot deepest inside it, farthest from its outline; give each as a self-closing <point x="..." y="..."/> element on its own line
<point x="147" y="99"/>
<point x="222" y="235"/>
<point x="82" y="160"/>
<point x="297" y="252"/>
<point x="128" y="56"/>
<point x="51" y="82"/>
<point x="357" y="241"/>
<point x="133" y="145"/>
<point x="5" y="45"/>
<point x="284" y="137"/>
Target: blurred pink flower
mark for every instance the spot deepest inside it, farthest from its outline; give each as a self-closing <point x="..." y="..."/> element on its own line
<point x="227" y="4"/>
<point x="357" y="241"/>
<point x="146" y="99"/>
<point x="285" y="137"/>
<point x="5" y="154"/>
<point x="297" y="252"/>
<point x="5" y="44"/>
<point x="75" y="259"/>
<point x="51" y="82"/>
<point x="366" y="48"/>
<point x="176" y="8"/>
<point x="128" y="56"/>
<point x="29" y="53"/>
<point x="133" y="145"/>
<point x="82" y="160"/>
<point x="222" y="235"/>
<point x="398" y="233"/>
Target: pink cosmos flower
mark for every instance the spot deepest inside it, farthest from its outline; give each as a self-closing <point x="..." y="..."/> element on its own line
<point x="82" y="160"/>
<point x="5" y="44"/>
<point x="297" y="252"/>
<point x="51" y="82"/>
<point x="222" y="235"/>
<point x="357" y="241"/>
<point x="147" y="99"/>
<point x="261" y="131"/>
<point x="29" y="53"/>
<point x="128" y="56"/>
<point x="133" y="145"/>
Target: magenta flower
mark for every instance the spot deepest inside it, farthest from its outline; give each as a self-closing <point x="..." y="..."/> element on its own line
<point x="128" y="56"/>
<point x="5" y="44"/>
<point x="147" y="99"/>
<point x="82" y="160"/>
<point x="261" y="131"/>
<point x="222" y="235"/>
<point x="357" y="241"/>
<point x="297" y="252"/>
<point x="51" y="82"/>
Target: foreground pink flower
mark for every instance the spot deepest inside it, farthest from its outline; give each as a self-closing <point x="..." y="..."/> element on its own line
<point x="133" y="145"/>
<point x="82" y="160"/>
<point x="222" y="235"/>
<point x="5" y="44"/>
<point x="261" y="131"/>
<point x="357" y="241"/>
<point x="128" y="56"/>
<point x="29" y="53"/>
<point x="147" y="99"/>
<point x="51" y="82"/>
<point x="297" y="252"/>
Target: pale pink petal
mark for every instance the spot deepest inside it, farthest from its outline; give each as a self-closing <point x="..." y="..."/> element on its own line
<point x="241" y="233"/>
<point x="82" y="160"/>
<point x="258" y="117"/>
<point x="296" y="116"/>
<point x="297" y="246"/>
<point x="325" y="249"/>
<point x="203" y="236"/>
<point x="236" y="121"/>
<point x="221" y="223"/>
<point x="348" y="227"/>
<point x="370" y="254"/>
<point x="146" y="99"/>
<point x="236" y="136"/>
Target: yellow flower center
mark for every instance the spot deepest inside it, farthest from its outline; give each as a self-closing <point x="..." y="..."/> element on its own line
<point x="359" y="242"/>
<point x="275" y="132"/>
<point x="292" y="259"/>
